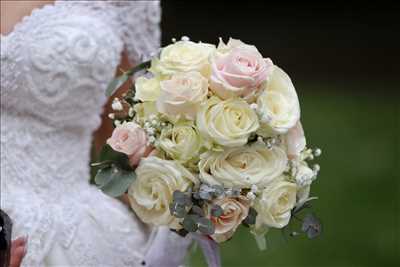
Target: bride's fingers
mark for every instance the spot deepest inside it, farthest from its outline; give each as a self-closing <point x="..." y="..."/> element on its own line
<point x="20" y="241"/>
<point x="18" y="251"/>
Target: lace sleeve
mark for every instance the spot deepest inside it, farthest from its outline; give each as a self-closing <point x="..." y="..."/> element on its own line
<point x="139" y="26"/>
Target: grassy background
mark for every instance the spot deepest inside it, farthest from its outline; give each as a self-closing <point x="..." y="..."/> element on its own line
<point x="358" y="186"/>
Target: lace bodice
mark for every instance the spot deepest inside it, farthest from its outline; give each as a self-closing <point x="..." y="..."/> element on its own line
<point x="55" y="66"/>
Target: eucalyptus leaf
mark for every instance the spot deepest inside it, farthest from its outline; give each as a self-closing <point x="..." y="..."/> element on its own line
<point x="103" y="176"/>
<point x="251" y="217"/>
<point x="178" y="210"/>
<point x="216" y="211"/>
<point x="108" y="154"/>
<point x="117" y="183"/>
<point x="197" y="210"/>
<point x="205" y="226"/>
<point x="311" y="226"/>
<point x="217" y="190"/>
<point x="189" y="224"/>
<point x="116" y="83"/>
<point x="120" y="80"/>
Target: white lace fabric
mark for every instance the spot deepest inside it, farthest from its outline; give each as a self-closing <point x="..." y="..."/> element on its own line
<point x="55" y="66"/>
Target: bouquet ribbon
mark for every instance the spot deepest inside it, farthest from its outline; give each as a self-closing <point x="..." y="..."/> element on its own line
<point x="163" y="249"/>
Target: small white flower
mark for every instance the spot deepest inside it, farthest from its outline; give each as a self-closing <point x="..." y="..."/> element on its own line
<point x="152" y="139"/>
<point x="117" y="105"/>
<point x="111" y="116"/>
<point x="131" y="112"/>
<point x="317" y="152"/>
<point x="185" y="38"/>
<point x="117" y="122"/>
<point x="150" y="131"/>
<point x="251" y="196"/>
<point x="253" y="106"/>
<point x="254" y="188"/>
<point x="154" y="122"/>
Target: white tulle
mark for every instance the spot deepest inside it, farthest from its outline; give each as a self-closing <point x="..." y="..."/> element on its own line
<point x="55" y="66"/>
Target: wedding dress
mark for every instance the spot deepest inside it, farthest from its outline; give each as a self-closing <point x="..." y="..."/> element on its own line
<point x="55" y="66"/>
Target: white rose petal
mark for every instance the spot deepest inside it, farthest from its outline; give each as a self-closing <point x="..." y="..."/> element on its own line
<point x="227" y="123"/>
<point x="147" y="89"/>
<point x="275" y="203"/>
<point x="151" y="193"/>
<point x="278" y="105"/>
<point x="243" y="167"/>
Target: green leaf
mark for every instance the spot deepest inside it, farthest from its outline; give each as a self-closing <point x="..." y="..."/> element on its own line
<point x="120" y="80"/>
<point x="189" y="224"/>
<point x="205" y="226"/>
<point x="178" y="210"/>
<point x="119" y="183"/>
<point x="197" y="210"/>
<point x="216" y="211"/>
<point x="116" y="83"/>
<point x="108" y="154"/>
<point x="103" y="176"/>
<point x="251" y="217"/>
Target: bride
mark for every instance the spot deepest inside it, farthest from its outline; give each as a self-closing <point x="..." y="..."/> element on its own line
<point x="57" y="58"/>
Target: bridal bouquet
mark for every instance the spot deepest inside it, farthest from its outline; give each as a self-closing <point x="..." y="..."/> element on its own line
<point x="208" y="139"/>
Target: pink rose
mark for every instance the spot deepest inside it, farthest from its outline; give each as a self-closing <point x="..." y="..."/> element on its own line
<point x="238" y="70"/>
<point x="235" y="210"/>
<point x="130" y="139"/>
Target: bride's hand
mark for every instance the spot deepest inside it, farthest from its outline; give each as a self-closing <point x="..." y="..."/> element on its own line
<point x="18" y="251"/>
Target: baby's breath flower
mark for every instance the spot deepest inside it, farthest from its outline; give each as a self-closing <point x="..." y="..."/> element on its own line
<point x="254" y="188"/>
<point x="317" y="152"/>
<point x="117" y="105"/>
<point x="251" y="196"/>
<point x="131" y="112"/>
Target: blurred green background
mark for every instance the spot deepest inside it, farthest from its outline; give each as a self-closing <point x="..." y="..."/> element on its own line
<point x="340" y="57"/>
<point x="358" y="187"/>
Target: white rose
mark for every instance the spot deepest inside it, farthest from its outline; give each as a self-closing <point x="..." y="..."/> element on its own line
<point x="151" y="193"/>
<point x="183" y="56"/>
<point x="181" y="142"/>
<point x="147" y="89"/>
<point x="243" y="166"/>
<point x="275" y="203"/>
<point x="182" y="94"/>
<point x="227" y="123"/>
<point x="144" y="111"/>
<point x="278" y="105"/>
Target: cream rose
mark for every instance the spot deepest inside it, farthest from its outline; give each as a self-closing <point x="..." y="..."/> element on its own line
<point x="182" y="94"/>
<point x="151" y="193"/>
<point x="128" y="138"/>
<point x="278" y="105"/>
<point x="181" y="141"/>
<point x="275" y="203"/>
<point x="238" y="70"/>
<point x="183" y="56"/>
<point x="227" y="123"/>
<point x="243" y="166"/>
<point x="235" y="210"/>
<point x="144" y="111"/>
<point x="147" y="89"/>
